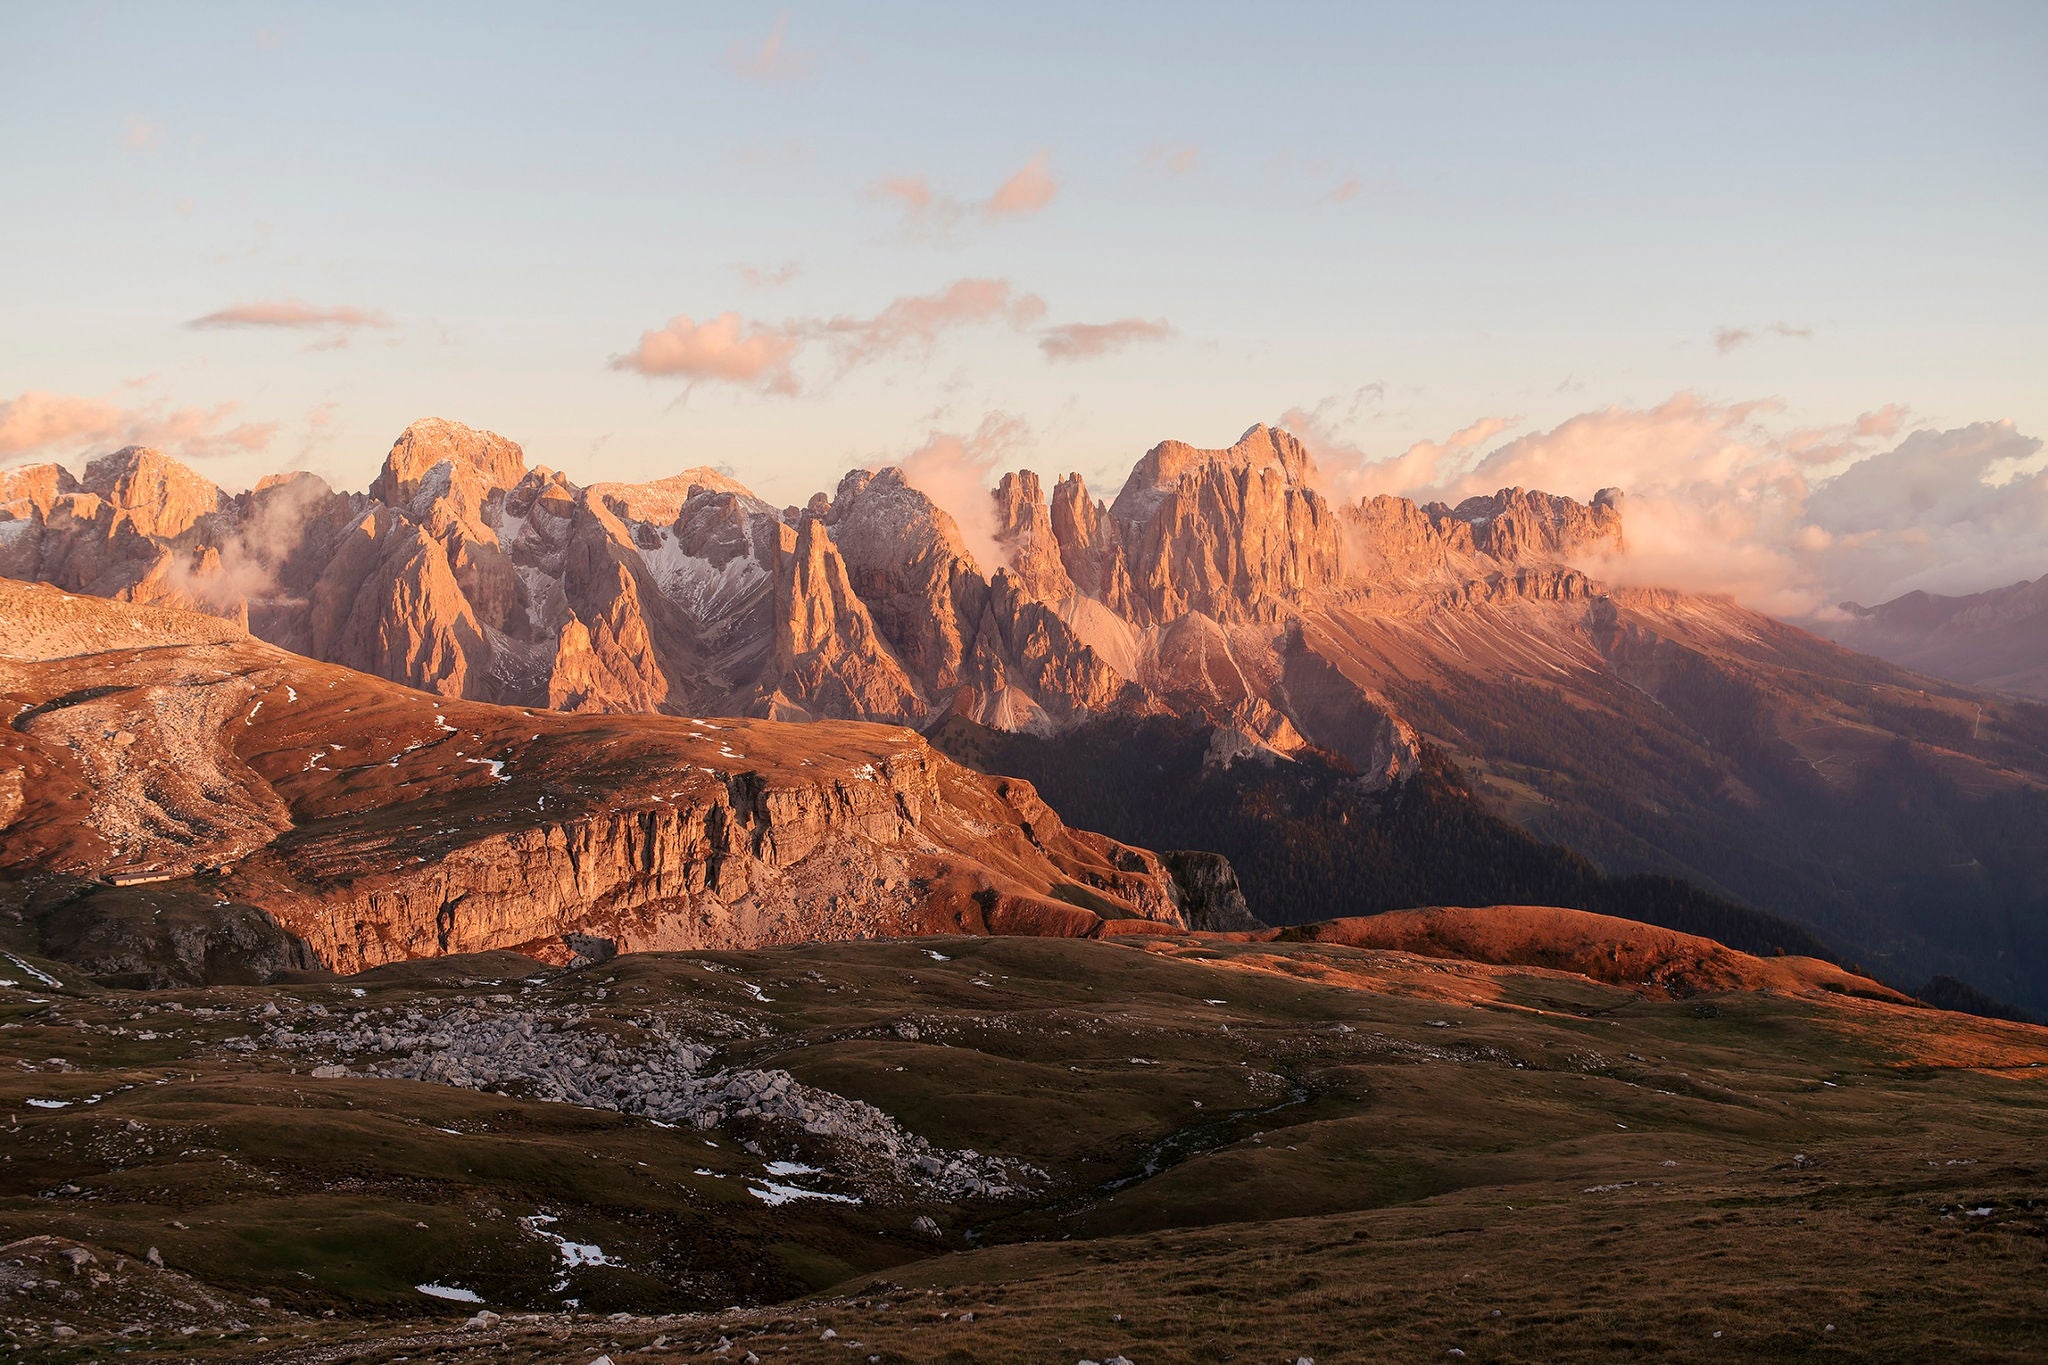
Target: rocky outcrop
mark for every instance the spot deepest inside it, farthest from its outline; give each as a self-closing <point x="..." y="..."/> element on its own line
<point x="1228" y="533"/>
<point x="1024" y="528"/>
<point x="1211" y="901"/>
<point x="1516" y="525"/>
<point x="376" y="824"/>
<point x="829" y="659"/>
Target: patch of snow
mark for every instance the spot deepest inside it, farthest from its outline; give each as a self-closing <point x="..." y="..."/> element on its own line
<point x="449" y="1292"/>
<point x="792" y="1168"/>
<point x="291" y="694"/>
<point x="496" y="765"/>
<point x="705" y="591"/>
<point x="48" y="1104"/>
<point x="572" y="1254"/>
<point x="936" y="956"/>
<point x="755" y="991"/>
<point x="772" y="1193"/>
<point x="43" y="977"/>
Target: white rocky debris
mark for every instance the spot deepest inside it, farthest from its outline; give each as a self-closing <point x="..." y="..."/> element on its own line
<point x="643" y="1067"/>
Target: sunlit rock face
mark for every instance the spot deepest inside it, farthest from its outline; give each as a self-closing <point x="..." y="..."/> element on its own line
<point x="465" y="572"/>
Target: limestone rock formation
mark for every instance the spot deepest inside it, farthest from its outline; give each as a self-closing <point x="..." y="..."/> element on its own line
<point x="377" y="823"/>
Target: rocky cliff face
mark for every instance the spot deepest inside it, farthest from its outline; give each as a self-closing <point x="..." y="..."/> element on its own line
<point x="376" y="823"/>
<point x="1220" y="584"/>
<point x="466" y="573"/>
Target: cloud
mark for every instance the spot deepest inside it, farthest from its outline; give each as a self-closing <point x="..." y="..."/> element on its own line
<point x="1085" y="340"/>
<point x="725" y="349"/>
<point x="930" y="215"/>
<point x="917" y="320"/>
<point x="954" y="472"/>
<point x="1718" y="497"/>
<point x="62" y="426"/>
<point x="1345" y="192"/>
<point x="768" y="277"/>
<point x="1024" y="193"/>
<point x="1728" y="339"/>
<point x="762" y="356"/>
<point x="1423" y="463"/>
<point x="773" y="62"/>
<point x="142" y="134"/>
<point x="290" y="313"/>
<point x="925" y="213"/>
<point x="1174" y="158"/>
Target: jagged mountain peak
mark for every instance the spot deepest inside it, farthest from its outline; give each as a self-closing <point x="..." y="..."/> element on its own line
<point x="660" y="501"/>
<point x="1160" y="471"/>
<point x="164" y="496"/>
<point x="432" y="442"/>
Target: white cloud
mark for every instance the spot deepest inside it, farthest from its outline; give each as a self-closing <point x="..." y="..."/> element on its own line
<point x="1718" y="497"/>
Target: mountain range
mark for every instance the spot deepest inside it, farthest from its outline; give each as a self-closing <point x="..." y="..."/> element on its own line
<point x="1902" y="820"/>
<point x="1996" y="639"/>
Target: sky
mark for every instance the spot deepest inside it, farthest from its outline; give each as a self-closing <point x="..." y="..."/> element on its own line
<point x="1721" y="256"/>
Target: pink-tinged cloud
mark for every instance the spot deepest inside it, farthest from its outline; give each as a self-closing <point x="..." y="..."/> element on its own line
<point x="1174" y="158"/>
<point x="954" y="470"/>
<point x="913" y="192"/>
<point x="1026" y="192"/>
<point x="1345" y="192"/>
<point x="142" y="135"/>
<point x="725" y="349"/>
<point x="729" y="349"/>
<point x="915" y="321"/>
<point x="1086" y="340"/>
<point x="926" y="213"/>
<point x="1728" y="339"/>
<point x="768" y="277"/>
<point x="290" y="313"/>
<point x="65" y="425"/>
<point x="773" y="61"/>
<point x="929" y="214"/>
<point x="1717" y="498"/>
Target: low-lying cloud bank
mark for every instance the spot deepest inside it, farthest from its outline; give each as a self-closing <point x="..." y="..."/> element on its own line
<point x="1721" y="497"/>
